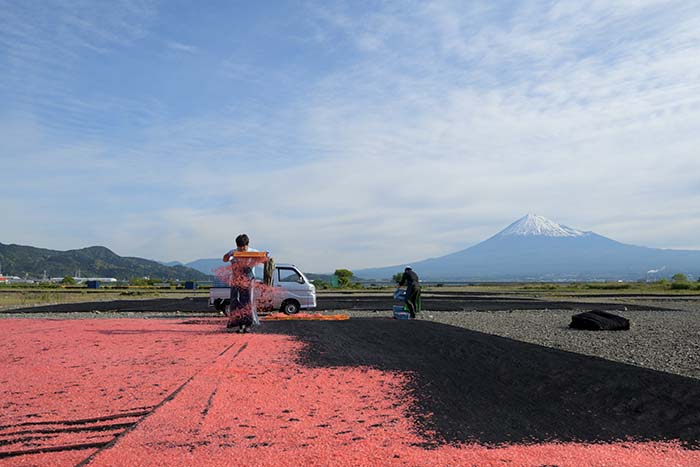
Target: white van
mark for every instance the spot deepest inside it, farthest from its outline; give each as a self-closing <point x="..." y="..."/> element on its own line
<point x="293" y="291"/>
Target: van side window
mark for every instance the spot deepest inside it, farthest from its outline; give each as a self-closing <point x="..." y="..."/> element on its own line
<point x="289" y="275"/>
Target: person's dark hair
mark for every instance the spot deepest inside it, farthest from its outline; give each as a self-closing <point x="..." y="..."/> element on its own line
<point x="408" y="268"/>
<point x="242" y="240"/>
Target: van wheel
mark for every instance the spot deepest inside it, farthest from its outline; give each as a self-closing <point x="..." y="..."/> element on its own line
<point x="290" y="307"/>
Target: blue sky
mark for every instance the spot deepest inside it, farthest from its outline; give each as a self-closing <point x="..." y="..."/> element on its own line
<point x="345" y="134"/>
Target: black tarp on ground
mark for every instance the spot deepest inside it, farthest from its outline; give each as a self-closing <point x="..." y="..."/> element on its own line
<point x="495" y="390"/>
<point x="598" y="320"/>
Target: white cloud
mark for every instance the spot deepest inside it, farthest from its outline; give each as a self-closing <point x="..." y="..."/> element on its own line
<point x="447" y="121"/>
<point x="180" y="47"/>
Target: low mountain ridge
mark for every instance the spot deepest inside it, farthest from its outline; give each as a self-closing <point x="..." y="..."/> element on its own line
<point x="207" y="265"/>
<point x="94" y="261"/>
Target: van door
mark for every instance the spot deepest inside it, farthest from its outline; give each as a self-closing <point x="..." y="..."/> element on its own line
<point x="295" y="285"/>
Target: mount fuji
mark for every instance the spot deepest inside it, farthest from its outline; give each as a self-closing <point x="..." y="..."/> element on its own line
<point x="535" y="248"/>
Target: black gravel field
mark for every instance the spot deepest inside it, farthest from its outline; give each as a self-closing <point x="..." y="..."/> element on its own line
<point x="341" y="302"/>
<point x="470" y="386"/>
<point x="664" y="335"/>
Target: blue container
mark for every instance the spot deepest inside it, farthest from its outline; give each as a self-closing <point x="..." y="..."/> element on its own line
<point x="190" y="285"/>
<point x="93" y="284"/>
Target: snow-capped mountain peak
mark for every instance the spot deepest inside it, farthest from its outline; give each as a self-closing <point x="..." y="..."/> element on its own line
<point x="532" y="225"/>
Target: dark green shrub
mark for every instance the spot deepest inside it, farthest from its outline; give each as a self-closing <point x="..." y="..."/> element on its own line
<point x="609" y="286"/>
<point x="344" y="277"/>
<point x="678" y="277"/>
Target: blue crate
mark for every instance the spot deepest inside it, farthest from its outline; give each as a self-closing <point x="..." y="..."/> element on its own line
<point x="401" y="315"/>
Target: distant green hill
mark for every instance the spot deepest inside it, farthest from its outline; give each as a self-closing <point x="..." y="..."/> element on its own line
<point x="94" y="261"/>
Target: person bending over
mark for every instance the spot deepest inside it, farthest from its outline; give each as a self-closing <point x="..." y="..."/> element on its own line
<point x="412" y="283"/>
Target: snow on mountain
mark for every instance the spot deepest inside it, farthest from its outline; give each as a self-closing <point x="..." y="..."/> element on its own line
<point x="533" y="224"/>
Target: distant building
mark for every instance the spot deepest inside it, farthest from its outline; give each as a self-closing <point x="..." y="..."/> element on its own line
<point x="82" y="280"/>
<point x="12" y="280"/>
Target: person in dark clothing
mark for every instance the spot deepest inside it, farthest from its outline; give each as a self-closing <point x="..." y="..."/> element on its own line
<point x="412" y="283"/>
